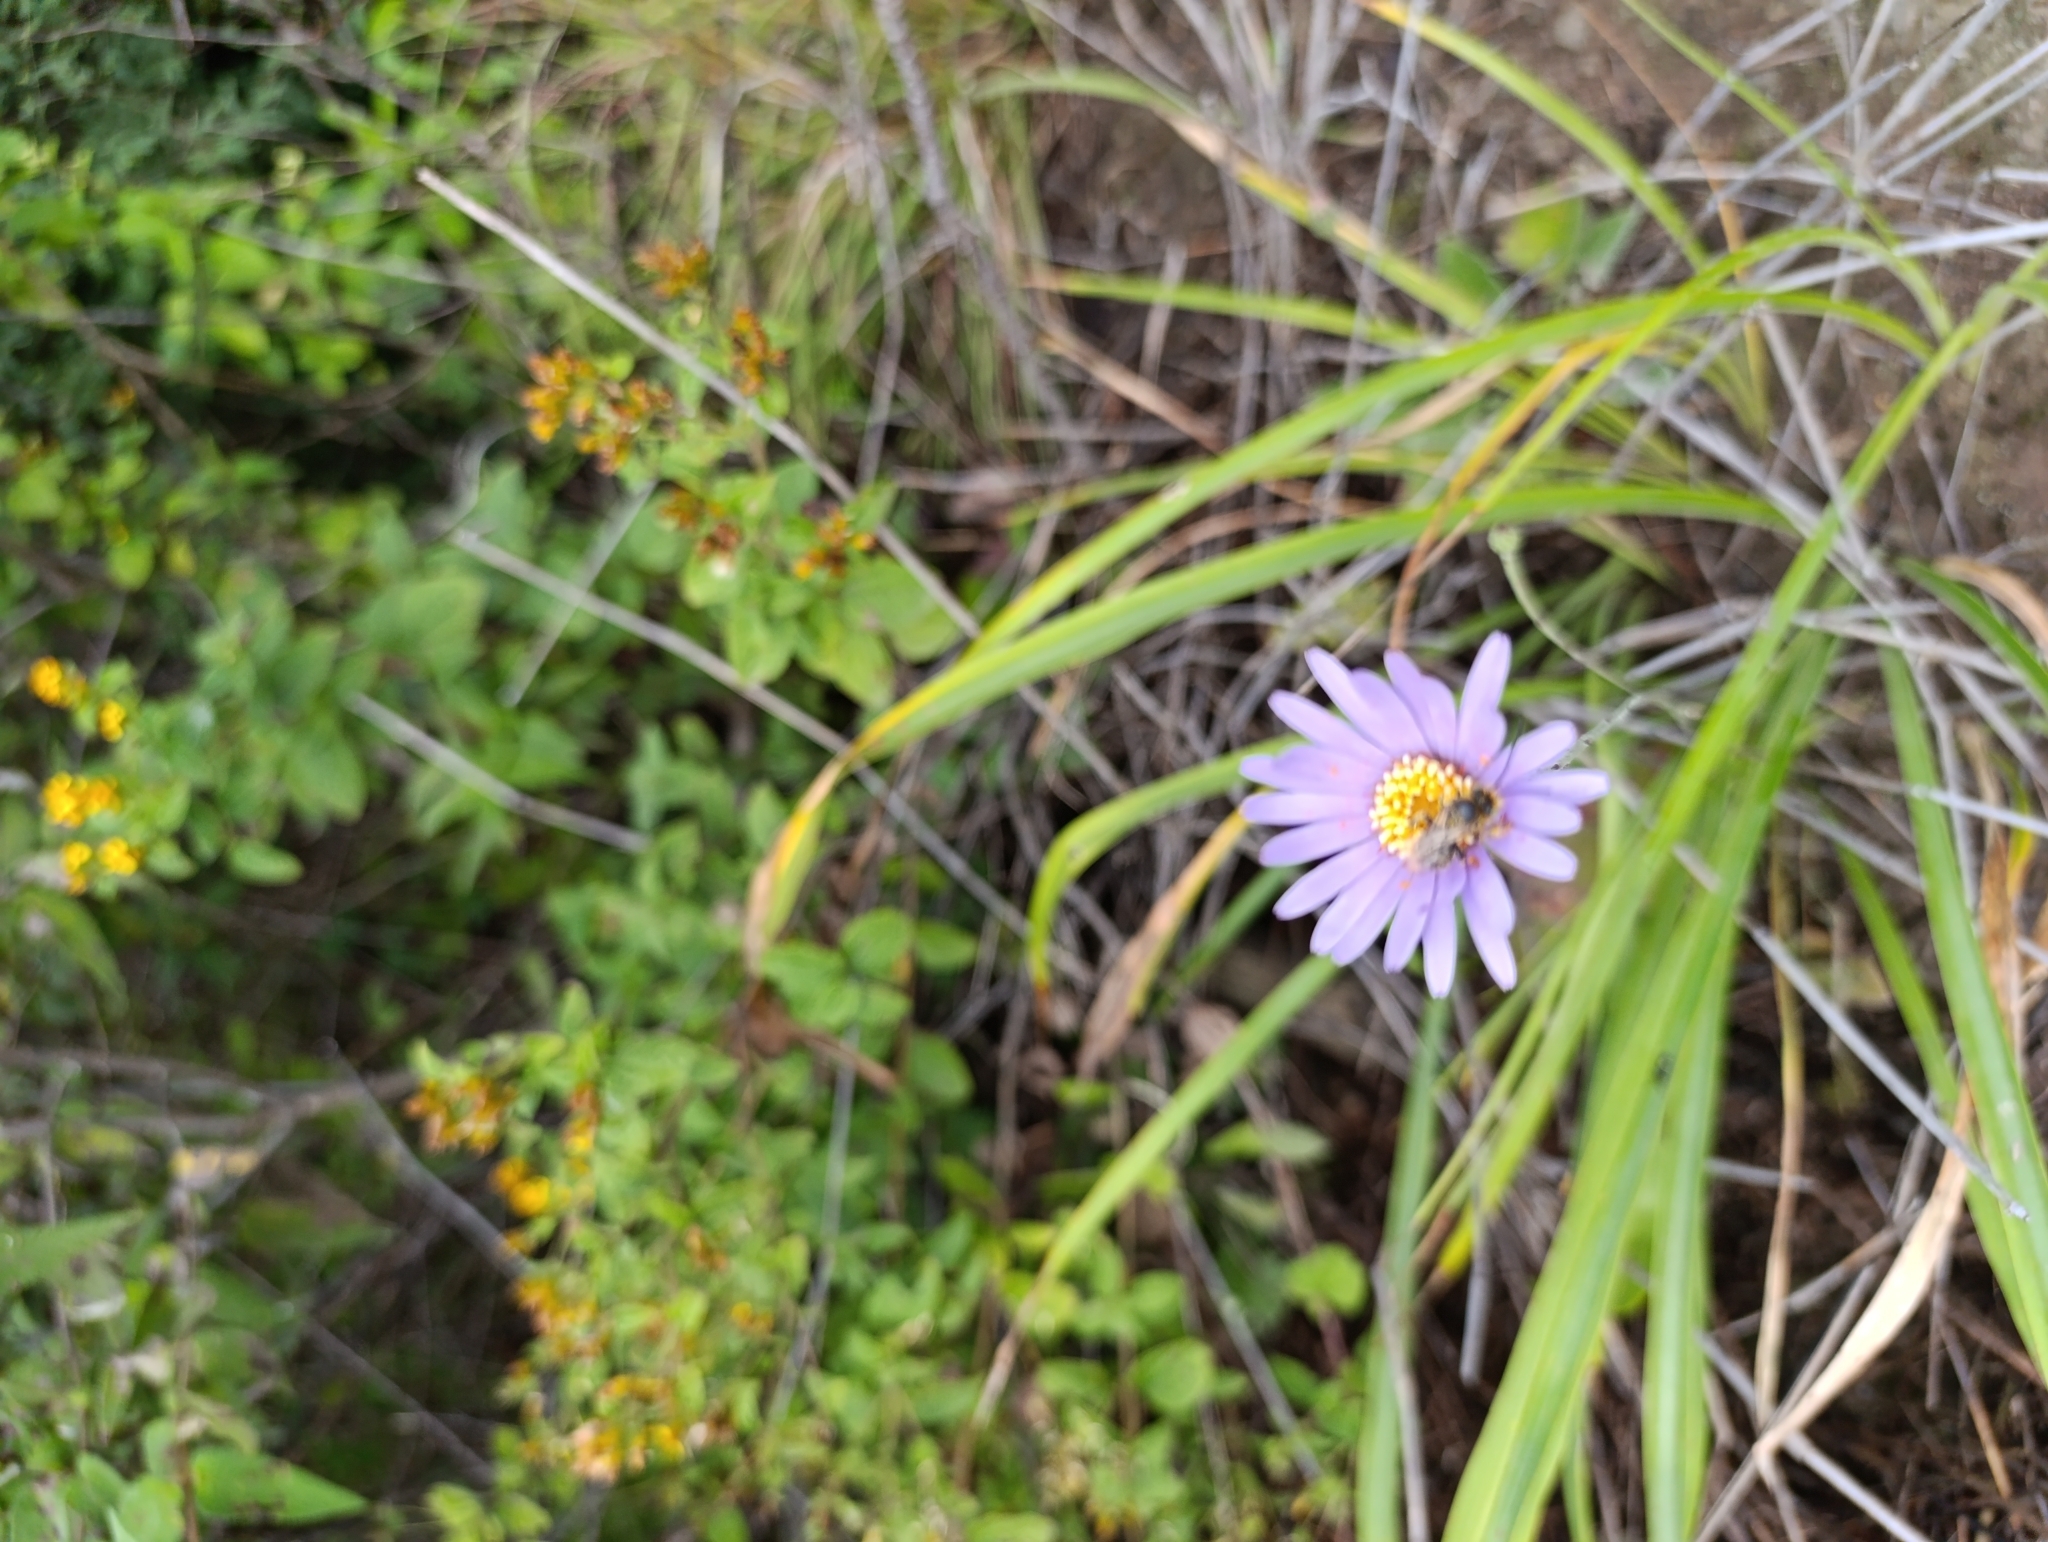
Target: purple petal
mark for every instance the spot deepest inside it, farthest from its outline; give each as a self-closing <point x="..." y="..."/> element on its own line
<point x="1311" y="768"/>
<point x="1534" y="751"/>
<point x="1393" y="725"/>
<point x="1419" y="890"/>
<point x="1345" y="910"/>
<point x="1539" y="816"/>
<point x="1533" y="855"/>
<point x="1340" y="684"/>
<point x="1440" y="933"/>
<point x="1373" y="920"/>
<point x="1481" y="728"/>
<point x="1318" y="887"/>
<point x="1305" y="843"/>
<point x="1321" y="725"/>
<point x="1490" y="918"/>
<point x="1431" y="702"/>
<point x="1573" y="786"/>
<point x="1300" y="808"/>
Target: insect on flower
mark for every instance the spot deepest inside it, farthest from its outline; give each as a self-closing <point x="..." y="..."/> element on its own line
<point x="1412" y="796"/>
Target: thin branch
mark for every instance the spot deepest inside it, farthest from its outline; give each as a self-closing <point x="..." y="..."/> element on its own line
<point x="477" y="779"/>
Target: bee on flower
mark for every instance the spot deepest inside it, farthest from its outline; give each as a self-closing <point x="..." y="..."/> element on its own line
<point x="1406" y="798"/>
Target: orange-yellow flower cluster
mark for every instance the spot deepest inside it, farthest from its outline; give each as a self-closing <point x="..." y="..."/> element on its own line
<point x="568" y="389"/>
<point x="552" y="1313"/>
<point x="675" y="270"/>
<point x="579" y="1130"/>
<point x="121" y="858"/>
<point x="836" y="537"/>
<point x="526" y="1191"/>
<point x="468" y="1111"/>
<point x="752" y="358"/>
<point x="71" y="800"/>
<point x="56" y="684"/>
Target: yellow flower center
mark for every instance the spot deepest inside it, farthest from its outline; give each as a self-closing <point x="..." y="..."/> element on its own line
<point x="1428" y="811"/>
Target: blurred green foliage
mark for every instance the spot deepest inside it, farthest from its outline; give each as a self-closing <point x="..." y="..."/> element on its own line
<point x="250" y="375"/>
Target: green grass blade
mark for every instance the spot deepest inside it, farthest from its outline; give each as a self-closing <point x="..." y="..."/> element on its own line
<point x="1191" y="1100"/>
<point x="1676" y="1432"/>
<point x="1522" y="1446"/>
<point x="1310" y="315"/>
<point x="1596" y="141"/>
<point x="1316" y="214"/>
<point x="1983" y="618"/>
<point x="1377" y="1505"/>
<point x="1080" y="842"/>
<point x="2011" y="1144"/>
<point x="1909" y="992"/>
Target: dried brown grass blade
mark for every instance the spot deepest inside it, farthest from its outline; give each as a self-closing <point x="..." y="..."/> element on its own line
<point x="1770" y="1338"/>
<point x="1130" y="977"/>
<point x="2015" y="594"/>
<point x="1898" y="1297"/>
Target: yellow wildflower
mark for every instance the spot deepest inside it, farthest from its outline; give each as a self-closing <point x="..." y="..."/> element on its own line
<point x="77" y="858"/>
<point x="112" y="720"/>
<point x="119" y="856"/>
<point x="564" y="386"/>
<point x="55" y="683"/>
<point x="549" y="1311"/>
<point x="594" y="1452"/>
<point x="71" y="800"/>
<point x="836" y="537"/>
<point x="468" y="1111"/>
<point x="665" y="1441"/>
<point x="579" y="1131"/>
<point x="752" y="357"/>
<point x="676" y="270"/>
<point x="526" y="1191"/>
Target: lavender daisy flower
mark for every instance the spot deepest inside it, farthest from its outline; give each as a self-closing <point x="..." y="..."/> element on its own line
<point x="1411" y="796"/>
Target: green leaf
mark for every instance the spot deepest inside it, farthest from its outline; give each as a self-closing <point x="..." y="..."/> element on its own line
<point x="231" y="1485"/>
<point x="964" y="1181"/>
<point x="758" y="645"/>
<point x="1176" y="1377"/>
<point x="937" y="1071"/>
<point x="943" y="949"/>
<point x="1466" y="266"/>
<point x="1326" y="1276"/>
<point x="323" y="773"/>
<point x="1012" y="1528"/>
<point x="152" y="1510"/>
<point x="1298" y="1145"/>
<point x="1541" y="242"/>
<point x="46" y="1255"/>
<point x="431" y="621"/>
<point x="876" y="943"/>
<point x="882" y="596"/>
<point x="130" y="562"/>
<point x="261" y="863"/>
